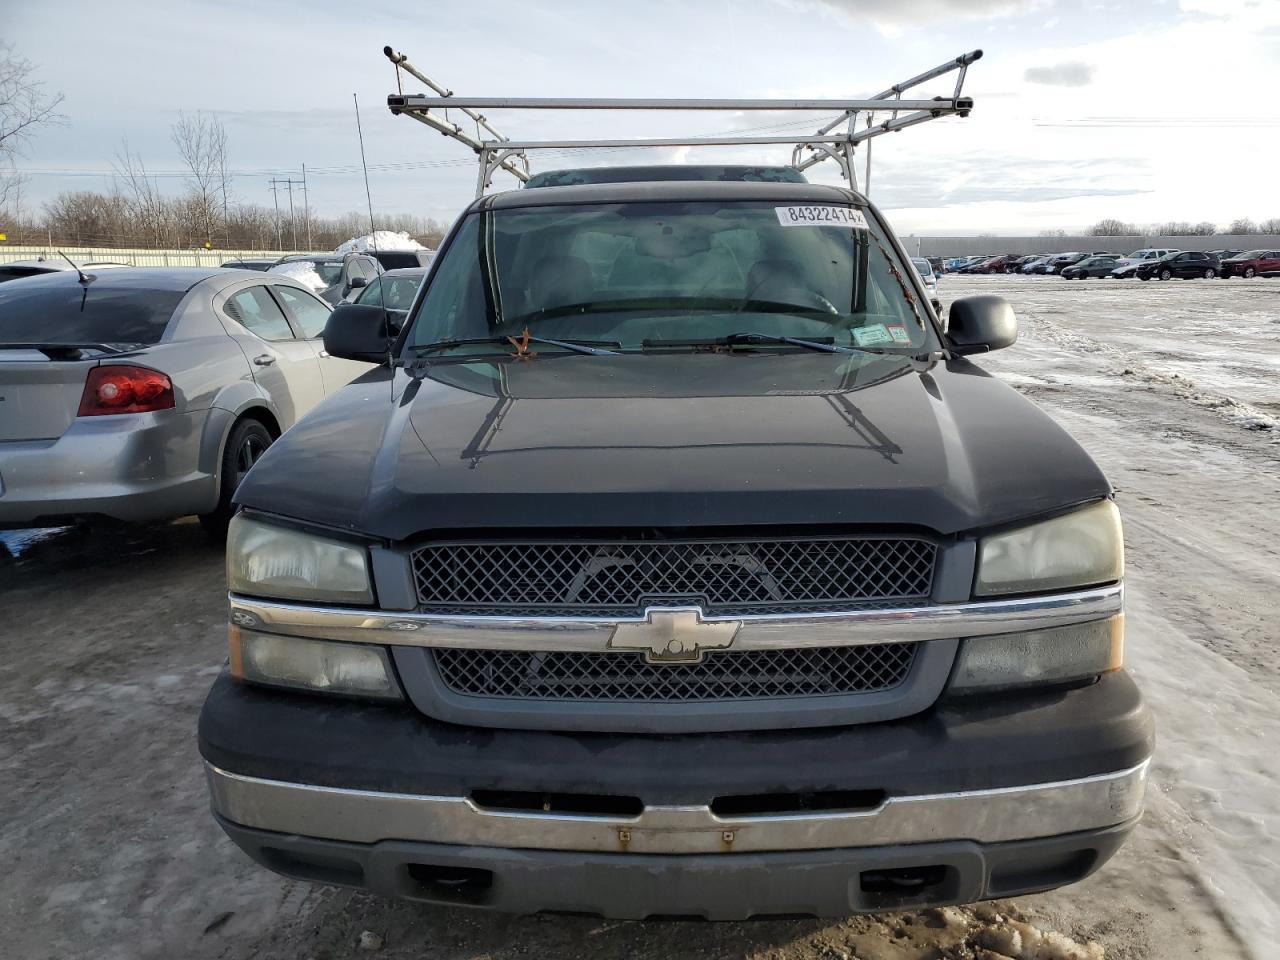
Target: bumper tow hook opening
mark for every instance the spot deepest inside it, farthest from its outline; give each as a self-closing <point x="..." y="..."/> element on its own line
<point x="902" y="882"/>
<point x="451" y="884"/>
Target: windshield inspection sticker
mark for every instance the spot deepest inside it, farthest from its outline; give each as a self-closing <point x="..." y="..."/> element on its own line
<point x="872" y="335"/>
<point x="821" y="216"/>
<point x="899" y="334"/>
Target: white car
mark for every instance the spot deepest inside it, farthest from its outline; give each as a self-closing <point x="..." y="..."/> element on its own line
<point x="1131" y="263"/>
<point x="925" y="269"/>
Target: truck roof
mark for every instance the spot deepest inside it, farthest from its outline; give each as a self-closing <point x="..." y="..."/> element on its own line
<point x="686" y="190"/>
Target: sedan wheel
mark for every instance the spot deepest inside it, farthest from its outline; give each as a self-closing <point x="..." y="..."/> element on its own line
<point x="247" y="442"/>
<point x="1250" y="273"/>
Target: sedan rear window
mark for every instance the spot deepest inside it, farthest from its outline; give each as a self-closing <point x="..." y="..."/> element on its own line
<point x="38" y="312"/>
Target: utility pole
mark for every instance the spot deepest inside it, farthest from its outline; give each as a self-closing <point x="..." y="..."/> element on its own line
<point x="293" y="224"/>
<point x="275" y="197"/>
<point x="306" y="206"/>
<point x="287" y="182"/>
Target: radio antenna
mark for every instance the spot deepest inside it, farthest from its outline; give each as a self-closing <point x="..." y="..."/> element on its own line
<point x="373" y="240"/>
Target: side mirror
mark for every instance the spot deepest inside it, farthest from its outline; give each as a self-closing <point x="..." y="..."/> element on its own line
<point x="358" y="331"/>
<point x="357" y="282"/>
<point x="981" y="324"/>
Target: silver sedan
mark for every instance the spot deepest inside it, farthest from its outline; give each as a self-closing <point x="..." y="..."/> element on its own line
<point x="142" y="394"/>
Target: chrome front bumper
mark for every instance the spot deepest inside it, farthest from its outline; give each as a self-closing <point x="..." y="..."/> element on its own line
<point x="982" y="816"/>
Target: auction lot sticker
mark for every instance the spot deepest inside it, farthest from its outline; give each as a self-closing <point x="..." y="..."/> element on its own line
<point x="813" y="215"/>
<point x="871" y="335"/>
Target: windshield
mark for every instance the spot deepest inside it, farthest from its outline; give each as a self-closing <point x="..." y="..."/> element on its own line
<point x="924" y="266"/>
<point x="639" y="274"/>
<point x="1252" y="255"/>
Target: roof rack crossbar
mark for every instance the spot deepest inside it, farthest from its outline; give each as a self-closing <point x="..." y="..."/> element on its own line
<point x="497" y="151"/>
<point x="405" y="102"/>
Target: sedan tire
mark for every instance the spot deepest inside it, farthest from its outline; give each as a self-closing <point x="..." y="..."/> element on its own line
<point x="247" y="442"/>
<point x="1249" y="273"/>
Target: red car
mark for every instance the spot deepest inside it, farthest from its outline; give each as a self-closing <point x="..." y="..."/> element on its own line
<point x="994" y="265"/>
<point x="1252" y="264"/>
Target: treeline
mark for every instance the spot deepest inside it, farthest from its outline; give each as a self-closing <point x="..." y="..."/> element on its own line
<point x="1242" y="226"/>
<point x="86" y="218"/>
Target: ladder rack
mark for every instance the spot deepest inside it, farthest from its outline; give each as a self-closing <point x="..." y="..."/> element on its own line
<point x="835" y="140"/>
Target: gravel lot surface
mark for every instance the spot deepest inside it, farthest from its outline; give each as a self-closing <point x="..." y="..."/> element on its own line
<point x="110" y="637"/>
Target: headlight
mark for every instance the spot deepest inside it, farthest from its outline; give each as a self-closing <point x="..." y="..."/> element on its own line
<point x="1075" y="550"/>
<point x="1037" y="657"/>
<point x="321" y="666"/>
<point x="265" y="560"/>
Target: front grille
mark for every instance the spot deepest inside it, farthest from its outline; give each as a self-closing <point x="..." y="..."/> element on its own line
<point x="628" y="677"/>
<point x="724" y="577"/>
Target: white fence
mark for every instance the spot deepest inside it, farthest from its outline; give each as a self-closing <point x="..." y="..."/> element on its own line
<point x="139" y="257"/>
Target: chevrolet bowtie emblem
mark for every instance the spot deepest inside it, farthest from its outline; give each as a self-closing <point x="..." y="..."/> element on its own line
<point x="674" y="635"/>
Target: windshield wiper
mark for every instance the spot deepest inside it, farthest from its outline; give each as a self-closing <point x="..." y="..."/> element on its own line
<point x="824" y="344"/>
<point x="592" y="347"/>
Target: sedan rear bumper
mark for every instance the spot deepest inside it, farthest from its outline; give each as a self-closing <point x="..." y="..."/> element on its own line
<point x="127" y="467"/>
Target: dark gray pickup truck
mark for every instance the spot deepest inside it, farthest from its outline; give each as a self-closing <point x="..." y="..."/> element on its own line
<point x="677" y="561"/>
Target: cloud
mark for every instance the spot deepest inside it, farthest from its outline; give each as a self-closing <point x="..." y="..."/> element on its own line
<point x="891" y="17"/>
<point x="1072" y="73"/>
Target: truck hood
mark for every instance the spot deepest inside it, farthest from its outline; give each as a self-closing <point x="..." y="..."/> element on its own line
<point x="688" y="440"/>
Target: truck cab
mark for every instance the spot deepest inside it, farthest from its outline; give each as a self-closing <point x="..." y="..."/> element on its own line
<point x="675" y="561"/>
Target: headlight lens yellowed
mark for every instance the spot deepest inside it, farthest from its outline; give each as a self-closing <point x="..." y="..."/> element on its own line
<point x="1078" y="549"/>
<point x="320" y="666"/>
<point x="267" y="560"/>
<point x="1038" y="657"/>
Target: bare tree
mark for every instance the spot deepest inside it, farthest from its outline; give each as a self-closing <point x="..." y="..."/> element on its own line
<point x="1111" y="227"/>
<point x="147" y="210"/>
<point x="202" y="144"/>
<point x="1270" y="226"/>
<point x="1181" y="228"/>
<point x="24" y="106"/>
<point x="1241" y="226"/>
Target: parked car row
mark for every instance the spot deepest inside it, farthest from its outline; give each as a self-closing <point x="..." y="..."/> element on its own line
<point x="141" y="393"/>
<point x="1150" y="262"/>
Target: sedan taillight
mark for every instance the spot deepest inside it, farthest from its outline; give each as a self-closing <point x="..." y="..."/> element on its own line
<point x="119" y="388"/>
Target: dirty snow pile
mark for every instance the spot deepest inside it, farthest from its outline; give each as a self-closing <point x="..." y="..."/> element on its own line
<point x="304" y="271"/>
<point x="379" y="240"/>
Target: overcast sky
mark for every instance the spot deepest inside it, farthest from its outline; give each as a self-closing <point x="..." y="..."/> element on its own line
<point x="1145" y="110"/>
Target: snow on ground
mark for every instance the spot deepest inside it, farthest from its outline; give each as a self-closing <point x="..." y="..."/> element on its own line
<point x="379" y="240"/>
<point x="304" y="271"/>
<point x="1180" y="413"/>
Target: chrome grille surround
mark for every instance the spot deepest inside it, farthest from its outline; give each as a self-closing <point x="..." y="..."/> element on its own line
<point x="719" y="677"/>
<point x="724" y="577"/>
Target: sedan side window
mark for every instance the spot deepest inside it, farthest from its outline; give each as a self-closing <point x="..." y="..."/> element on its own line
<point x="310" y="313"/>
<point x="254" y="309"/>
